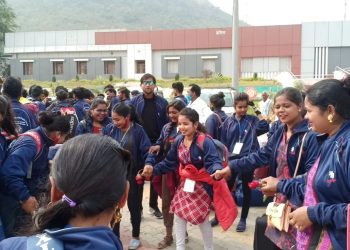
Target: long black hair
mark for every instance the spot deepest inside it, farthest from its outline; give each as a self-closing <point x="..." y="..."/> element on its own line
<point x="8" y="122"/>
<point x="91" y="170"/>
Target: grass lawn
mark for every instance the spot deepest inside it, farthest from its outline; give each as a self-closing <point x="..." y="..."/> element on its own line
<point x="98" y="84"/>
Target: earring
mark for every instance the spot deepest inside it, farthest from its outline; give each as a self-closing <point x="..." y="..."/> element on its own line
<point x="117" y="217"/>
<point x="330" y="118"/>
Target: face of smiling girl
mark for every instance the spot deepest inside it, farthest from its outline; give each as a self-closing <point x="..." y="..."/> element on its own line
<point x="186" y="127"/>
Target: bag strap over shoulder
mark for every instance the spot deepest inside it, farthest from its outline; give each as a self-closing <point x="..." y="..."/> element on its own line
<point x="36" y="137"/>
<point x="299" y="156"/>
<point x="200" y="140"/>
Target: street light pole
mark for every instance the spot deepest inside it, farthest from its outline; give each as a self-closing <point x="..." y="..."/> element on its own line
<point x="235" y="46"/>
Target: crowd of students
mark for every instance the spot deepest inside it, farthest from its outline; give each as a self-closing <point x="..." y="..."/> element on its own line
<point x="109" y="141"/>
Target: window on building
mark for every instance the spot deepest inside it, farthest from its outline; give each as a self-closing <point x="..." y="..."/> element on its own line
<point x="109" y="67"/>
<point x="27" y="68"/>
<point x="140" y="66"/>
<point x="209" y="65"/>
<point x="173" y="66"/>
<point x="57" y="68"/>
<point x="81" y="68"/>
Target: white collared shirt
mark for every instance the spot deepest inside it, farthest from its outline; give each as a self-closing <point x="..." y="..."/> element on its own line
<point x="202" y="109"/>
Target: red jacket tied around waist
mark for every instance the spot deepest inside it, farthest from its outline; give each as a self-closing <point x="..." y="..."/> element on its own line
<point x="225" y="207"/>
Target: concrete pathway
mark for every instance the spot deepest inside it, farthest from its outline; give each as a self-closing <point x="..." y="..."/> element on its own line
<point x="153" y="231"/>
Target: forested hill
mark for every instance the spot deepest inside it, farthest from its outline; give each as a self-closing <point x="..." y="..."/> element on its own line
<point x="40" y="15"/>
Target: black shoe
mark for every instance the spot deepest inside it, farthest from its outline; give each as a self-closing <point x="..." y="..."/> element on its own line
<point x="214" y="222"/>
<point x="241" y="226"/>
<point x="157" y="213"/>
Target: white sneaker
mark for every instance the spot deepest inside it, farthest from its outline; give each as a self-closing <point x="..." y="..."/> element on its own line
<point x="134" y="244"/>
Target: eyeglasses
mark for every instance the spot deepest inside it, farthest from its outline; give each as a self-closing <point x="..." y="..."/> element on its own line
<point x="149" y="83"/>
<point x="101" y="110"/>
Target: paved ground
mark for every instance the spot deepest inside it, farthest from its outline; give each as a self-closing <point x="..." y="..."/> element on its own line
<point x="153" y="231"/>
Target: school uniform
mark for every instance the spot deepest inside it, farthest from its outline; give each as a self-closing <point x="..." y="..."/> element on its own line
<point x="214" y="123"/>
<point x="329" y="181"/>
<point x="24" y="173"/>
<point x="136" y="141"/>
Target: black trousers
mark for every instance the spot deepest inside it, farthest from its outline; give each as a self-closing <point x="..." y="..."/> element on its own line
<point x="247" y="193"/>
<point x="134" y="206"/>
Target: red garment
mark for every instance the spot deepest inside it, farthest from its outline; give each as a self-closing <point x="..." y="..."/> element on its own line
<point x="192" y="207"/>
<point x="97" y="130"/>
<point x="225" y="206"/>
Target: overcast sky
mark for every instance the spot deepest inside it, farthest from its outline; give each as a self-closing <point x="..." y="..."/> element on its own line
<point x="273" y="12"/>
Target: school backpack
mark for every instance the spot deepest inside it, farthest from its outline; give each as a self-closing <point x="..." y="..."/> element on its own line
<point x="220" y="148"/>
<point x="36" y="137"/>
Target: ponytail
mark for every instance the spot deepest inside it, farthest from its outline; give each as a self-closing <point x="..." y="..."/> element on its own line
<point x="54" y="122"/>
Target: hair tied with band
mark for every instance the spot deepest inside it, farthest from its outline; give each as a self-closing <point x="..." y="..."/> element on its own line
<point x="69" y="201"/>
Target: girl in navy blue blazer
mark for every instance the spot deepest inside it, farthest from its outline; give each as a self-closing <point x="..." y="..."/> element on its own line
<point x="96" y="120"/>
<point x="239" y="133"/>
<point x="126" y="130"/>
<point x="216" y="119"/>
<point x="170" y="180"/>
<point x="324" y="193"/>
<point x="187" y="155"/>
<point x="282" y="150"/>
<point x="88" y="185"/>
<point x="24" y="172"/>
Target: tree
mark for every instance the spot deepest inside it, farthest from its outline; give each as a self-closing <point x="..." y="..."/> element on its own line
<point x="7" y="24"/>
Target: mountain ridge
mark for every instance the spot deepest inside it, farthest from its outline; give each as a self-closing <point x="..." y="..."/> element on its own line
<point x="47" y="15"/>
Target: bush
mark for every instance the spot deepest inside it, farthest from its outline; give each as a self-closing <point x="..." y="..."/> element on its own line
<point x="77" y="78"/>
<point x="299" y="84"/>
<point x="53" y="79"/>
<point x="207" y="73"/>
<point x="255" y="76"/>
<point x="111" y="78"/>
<point x="177" y="77"/>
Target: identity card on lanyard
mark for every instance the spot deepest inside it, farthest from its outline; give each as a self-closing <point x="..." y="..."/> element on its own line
<point x="189" y="186"/>
<point x="237" y="149"/>
<point x="239" y="145"/>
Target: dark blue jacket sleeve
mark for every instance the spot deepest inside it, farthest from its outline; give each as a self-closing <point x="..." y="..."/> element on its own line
<point x="80" y="129"/>
<point x="151" y="158"/>
<point x="162" y="136"/>
<point x="293" y="189"/>
<point x="14" y="169"/>
<point x="211" y="125"/>
<point x="144" y="144"/>
<point x="211" y="159"/>
<point x="329" y="215"/>
<point x="254" y="160"/>
<point x="262" y="127"/>
<point x="171" y="161"/>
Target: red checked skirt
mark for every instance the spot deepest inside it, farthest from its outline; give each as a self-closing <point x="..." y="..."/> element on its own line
<point x="192" y="207"/>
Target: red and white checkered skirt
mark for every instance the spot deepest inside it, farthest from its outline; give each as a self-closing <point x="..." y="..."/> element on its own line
<point x="192" y="207"/>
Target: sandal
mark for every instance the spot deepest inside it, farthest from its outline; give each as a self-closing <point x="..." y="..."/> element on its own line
<point x="167" y="241"/>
